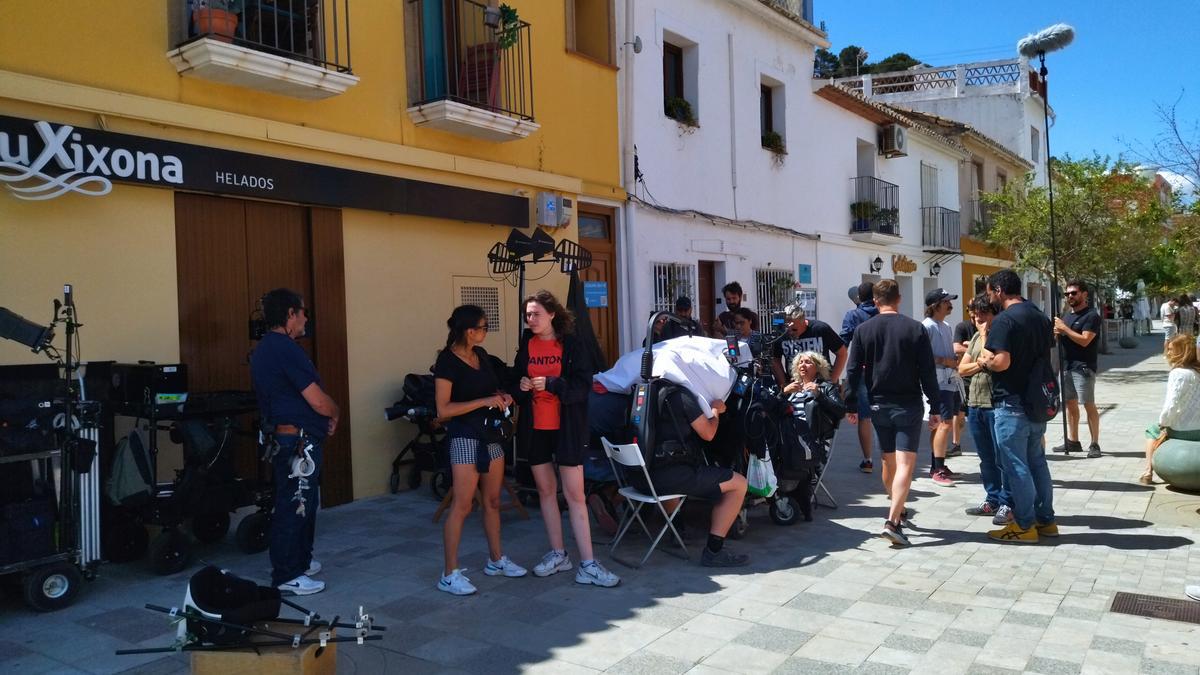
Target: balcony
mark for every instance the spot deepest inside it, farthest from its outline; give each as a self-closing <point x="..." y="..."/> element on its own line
<point x="982" y="218"/>
<point x="875" y="211"/>
<point x="296" y="48"/>
<point x="940" y="229"/>
<point x="468" y="77"/>
<point x="1005" y="76"/>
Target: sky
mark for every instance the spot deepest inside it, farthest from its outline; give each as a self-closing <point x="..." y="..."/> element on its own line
<point x="1127" y="55"/>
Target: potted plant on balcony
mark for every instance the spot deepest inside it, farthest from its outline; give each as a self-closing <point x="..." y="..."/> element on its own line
<point x="218" y="18"/>
<point x="678" y="109"/>
<point x="774" y="142"/>
<point x="887" y="219"/>
<point x="862" y="213"/>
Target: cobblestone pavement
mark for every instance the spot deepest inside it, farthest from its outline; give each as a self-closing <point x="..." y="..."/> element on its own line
<point x="821" y="597"/>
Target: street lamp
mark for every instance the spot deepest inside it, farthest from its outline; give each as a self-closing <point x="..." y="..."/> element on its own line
<point x="876" y="265"/>
<point x="935" y="269"/>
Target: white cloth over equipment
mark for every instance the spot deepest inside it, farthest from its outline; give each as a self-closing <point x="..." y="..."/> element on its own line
<point x="697" y="363"/>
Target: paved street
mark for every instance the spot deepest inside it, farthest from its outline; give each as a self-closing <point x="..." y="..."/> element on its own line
<point x="821" y="597"/>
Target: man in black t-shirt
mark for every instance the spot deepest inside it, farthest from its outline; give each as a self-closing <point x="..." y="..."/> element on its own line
<point x="1077" y="331"/>
<point x="734" y="297"/>
<point x="806" y="335"/>
<point x="892" y="353"/>
<point x="1019" y="336"/>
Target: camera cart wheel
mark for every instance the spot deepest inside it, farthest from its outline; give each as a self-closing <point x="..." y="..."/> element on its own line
<point x="52" y="587"/>
<point x="393" y="482"/>
<point x="440" y="484"/>
<point x="125" y="540"/>
<point x="170" y="552"/>
<point x="740" y="526"/>
<point x="784" y="510"/>
<point x="210" y="527"/>
<point x="252" y="532"/>
<point x="414" y="477"/>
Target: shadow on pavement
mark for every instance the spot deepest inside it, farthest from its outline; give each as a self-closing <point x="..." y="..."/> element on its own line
<point x="1107" y="485"/>
<point x="1102" y="522"/>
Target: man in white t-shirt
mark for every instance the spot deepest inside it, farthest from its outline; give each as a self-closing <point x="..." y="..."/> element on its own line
<point x="941" y="339"/>
<point x="1167" y="313"/>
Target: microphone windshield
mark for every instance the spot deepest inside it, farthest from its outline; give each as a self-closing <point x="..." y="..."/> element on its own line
<point x="1046" y="40"/>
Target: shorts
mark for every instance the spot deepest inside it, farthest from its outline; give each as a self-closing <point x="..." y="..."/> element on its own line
<point x="463" y="450"/>
<point x="898" y="426"/>
<point x="543" y="449"/>
<point x="949" y="403"/>
<point x="1079" y="384"/>
<point x="701" y="482"/>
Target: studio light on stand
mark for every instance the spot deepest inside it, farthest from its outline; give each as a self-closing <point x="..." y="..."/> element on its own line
<point x="514" y="254"/>
<point x="1039" y="44"/>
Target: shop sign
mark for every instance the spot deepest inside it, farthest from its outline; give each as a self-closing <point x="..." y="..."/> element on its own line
<point x="902" y="264"/>
<point x="41" y="160"/>
<point x="595" y="293"/>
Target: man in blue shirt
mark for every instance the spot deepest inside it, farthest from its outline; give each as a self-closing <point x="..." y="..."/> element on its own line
<point x="300" y="415"/>
<point x="864" y="295"/>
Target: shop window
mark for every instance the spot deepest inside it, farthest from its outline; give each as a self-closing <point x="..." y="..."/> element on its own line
<point x="590" y="29"/>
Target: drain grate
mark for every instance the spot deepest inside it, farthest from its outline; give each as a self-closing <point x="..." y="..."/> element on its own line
<point x="1156" y="607"/>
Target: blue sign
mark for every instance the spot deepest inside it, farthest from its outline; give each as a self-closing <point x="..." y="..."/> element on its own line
<point x="595" y="293"/>
<point x="804" y="274"/>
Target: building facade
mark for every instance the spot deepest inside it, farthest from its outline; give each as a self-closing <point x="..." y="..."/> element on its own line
<point x="367" y="154"/>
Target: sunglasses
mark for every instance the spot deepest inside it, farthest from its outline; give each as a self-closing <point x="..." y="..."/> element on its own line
<point x="1071" y="293"/>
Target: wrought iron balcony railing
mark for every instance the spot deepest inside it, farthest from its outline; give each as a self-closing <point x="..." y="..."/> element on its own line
<point x="876" y="206"/>
<point x="464" y="59"/>
<point x="316" y="32"/>
<point x="940" y="228"/>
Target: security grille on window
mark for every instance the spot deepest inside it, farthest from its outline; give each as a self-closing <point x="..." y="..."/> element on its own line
<point x="672" y="280"/>
<point x="486" y="297"/>
<point x="775" y="291"/>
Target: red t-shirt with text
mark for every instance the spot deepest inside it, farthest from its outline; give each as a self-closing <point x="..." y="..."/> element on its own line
<point x="545" y="360"/>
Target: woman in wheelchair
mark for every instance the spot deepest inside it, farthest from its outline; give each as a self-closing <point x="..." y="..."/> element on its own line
<point x="678" y="467"/>
<point x="817" y="409"/>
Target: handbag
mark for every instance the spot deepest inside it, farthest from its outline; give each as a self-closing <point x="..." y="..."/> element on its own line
<point x="760" y="476"/>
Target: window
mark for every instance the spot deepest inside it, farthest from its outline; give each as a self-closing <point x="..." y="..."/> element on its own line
<point x="680" y="60"/>
<point x="1035" y="145"/>
<point x="929" y="185"/>
<point x="775" y="289"/>
<point x="1001" y="181"/>
<point x="590" y="29"/>
<point x="771" y="113"/>
<point x="672" y="281"/>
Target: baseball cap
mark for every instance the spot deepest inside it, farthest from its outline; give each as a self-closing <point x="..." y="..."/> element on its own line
<point x="937" y="295"/>
<point x="866" y="291"/>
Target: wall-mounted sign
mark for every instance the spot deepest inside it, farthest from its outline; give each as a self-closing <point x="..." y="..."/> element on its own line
<point x="595" y="293"/>
<point x="902" y="264"/>
<point x="804" y="274"/>
<point x="41" y="160"/>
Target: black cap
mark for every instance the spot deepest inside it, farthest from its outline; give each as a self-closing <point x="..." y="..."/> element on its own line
<point x="866" y="291"/>
<point x="937" y="295"/>
<point x="683" y="304"/>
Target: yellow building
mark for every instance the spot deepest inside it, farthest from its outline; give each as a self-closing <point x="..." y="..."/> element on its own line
<point x="366" y="153"/>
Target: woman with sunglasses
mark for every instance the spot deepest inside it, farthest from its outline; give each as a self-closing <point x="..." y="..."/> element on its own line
<point x="466" y="384"/>
<point x="555" y="372"/>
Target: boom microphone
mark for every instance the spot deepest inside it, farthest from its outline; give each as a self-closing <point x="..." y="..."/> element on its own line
<point x="1046" y="40"/>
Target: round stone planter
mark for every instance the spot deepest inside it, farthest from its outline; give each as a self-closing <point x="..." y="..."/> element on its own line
<point x="1128" y="342"/>
<point x="1178" y="463"/>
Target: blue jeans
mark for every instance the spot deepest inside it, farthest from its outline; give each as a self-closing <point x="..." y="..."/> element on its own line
<point x="981" y="422"/>
<point x="292" y="534"/>
<point x="1024" y="463"/>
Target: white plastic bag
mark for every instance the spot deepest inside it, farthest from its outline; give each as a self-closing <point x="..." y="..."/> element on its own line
<point x="760" y="475"/>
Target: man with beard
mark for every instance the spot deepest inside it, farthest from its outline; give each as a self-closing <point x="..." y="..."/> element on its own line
<point x="1076" y="331"/>
<point x="733" y="300"/>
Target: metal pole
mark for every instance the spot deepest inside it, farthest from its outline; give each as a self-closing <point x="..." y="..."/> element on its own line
<point x="1054" y="299"/>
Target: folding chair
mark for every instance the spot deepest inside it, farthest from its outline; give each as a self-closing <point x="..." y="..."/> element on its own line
<point x="820" y="486"/>
<point x="630" y="455"/>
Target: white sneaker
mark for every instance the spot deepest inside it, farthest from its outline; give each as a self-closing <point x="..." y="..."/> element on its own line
<point x="302" y="585"/>
<point x="1193" y="592"/>
<point x="504" y="566"/>
<point x="552" y="562"/>
<point x="314" y="567"/>
<point x="456" y="584"/>
<point x="594" y="573"/>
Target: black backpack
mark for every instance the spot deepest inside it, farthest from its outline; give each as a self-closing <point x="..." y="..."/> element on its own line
<point x="1042" y="398"/>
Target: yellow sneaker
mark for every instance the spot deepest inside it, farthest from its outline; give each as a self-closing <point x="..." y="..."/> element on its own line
<point x="1047" y="529"/>
<point x="1013" y="534"/>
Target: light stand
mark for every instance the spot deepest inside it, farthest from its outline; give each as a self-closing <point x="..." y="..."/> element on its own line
<point x="520" y="250"/>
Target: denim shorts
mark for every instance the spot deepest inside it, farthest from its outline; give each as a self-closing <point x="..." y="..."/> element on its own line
<point x="1079" y="383"/>
<point x="898" y="426"/>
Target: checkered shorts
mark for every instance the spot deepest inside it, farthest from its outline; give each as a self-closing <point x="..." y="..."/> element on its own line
<point x="463" y="450"/>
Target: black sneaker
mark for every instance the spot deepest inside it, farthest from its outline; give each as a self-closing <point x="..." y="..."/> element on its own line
<point x="723" y="558"/>
<point x="1093" y="451"/>
<point x="954" y="451"/>
<point x="895" y="534"/>
<point x="984" y="509"/>
<point x="1069" y="446"/>
<point x="906" y="517"/>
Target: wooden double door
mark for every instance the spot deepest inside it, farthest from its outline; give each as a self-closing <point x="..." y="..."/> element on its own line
<point x="230" y="252"/>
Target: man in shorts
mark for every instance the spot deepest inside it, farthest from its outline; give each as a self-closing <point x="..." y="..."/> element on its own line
<point x="938" y="306"/>
<point x="1077" y="331"/>
<point x="892" y="353"/>
<point x="680" y="412"/>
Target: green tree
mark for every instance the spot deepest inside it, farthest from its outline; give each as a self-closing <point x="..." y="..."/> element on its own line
<point x="825" y="64"/>
<point x="852" y="61"/>
<point x="897" y="61"/>
<point x="1107" y="219"/>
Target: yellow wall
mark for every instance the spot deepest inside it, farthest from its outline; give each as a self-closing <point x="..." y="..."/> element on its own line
<point x="121" y="46"/>
<point x="119" y="253"/>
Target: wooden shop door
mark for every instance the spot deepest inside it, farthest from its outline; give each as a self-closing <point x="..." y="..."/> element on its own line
<point x="596" y="235"/>
<point x="230" y="252"/>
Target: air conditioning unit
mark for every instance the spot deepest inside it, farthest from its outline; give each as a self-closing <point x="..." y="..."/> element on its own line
<point x="893" y="141"/>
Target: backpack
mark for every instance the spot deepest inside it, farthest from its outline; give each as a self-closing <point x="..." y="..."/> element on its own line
<point x="1041" y="399"/>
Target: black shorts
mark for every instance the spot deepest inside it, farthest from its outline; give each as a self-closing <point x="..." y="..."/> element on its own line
<point x="898" y="426"/>
<point x="702" y="482"/>
<point x="543" y="449"/>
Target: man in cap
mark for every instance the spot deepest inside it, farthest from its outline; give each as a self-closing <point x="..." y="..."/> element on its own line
<point x="864" y="298"/>
<point x="938" y="306"/>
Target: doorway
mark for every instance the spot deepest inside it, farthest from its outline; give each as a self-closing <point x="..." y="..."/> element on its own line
<point x="230" y="252"/>
<point x="706" y="298"/>
<point x="597" y="235"/>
